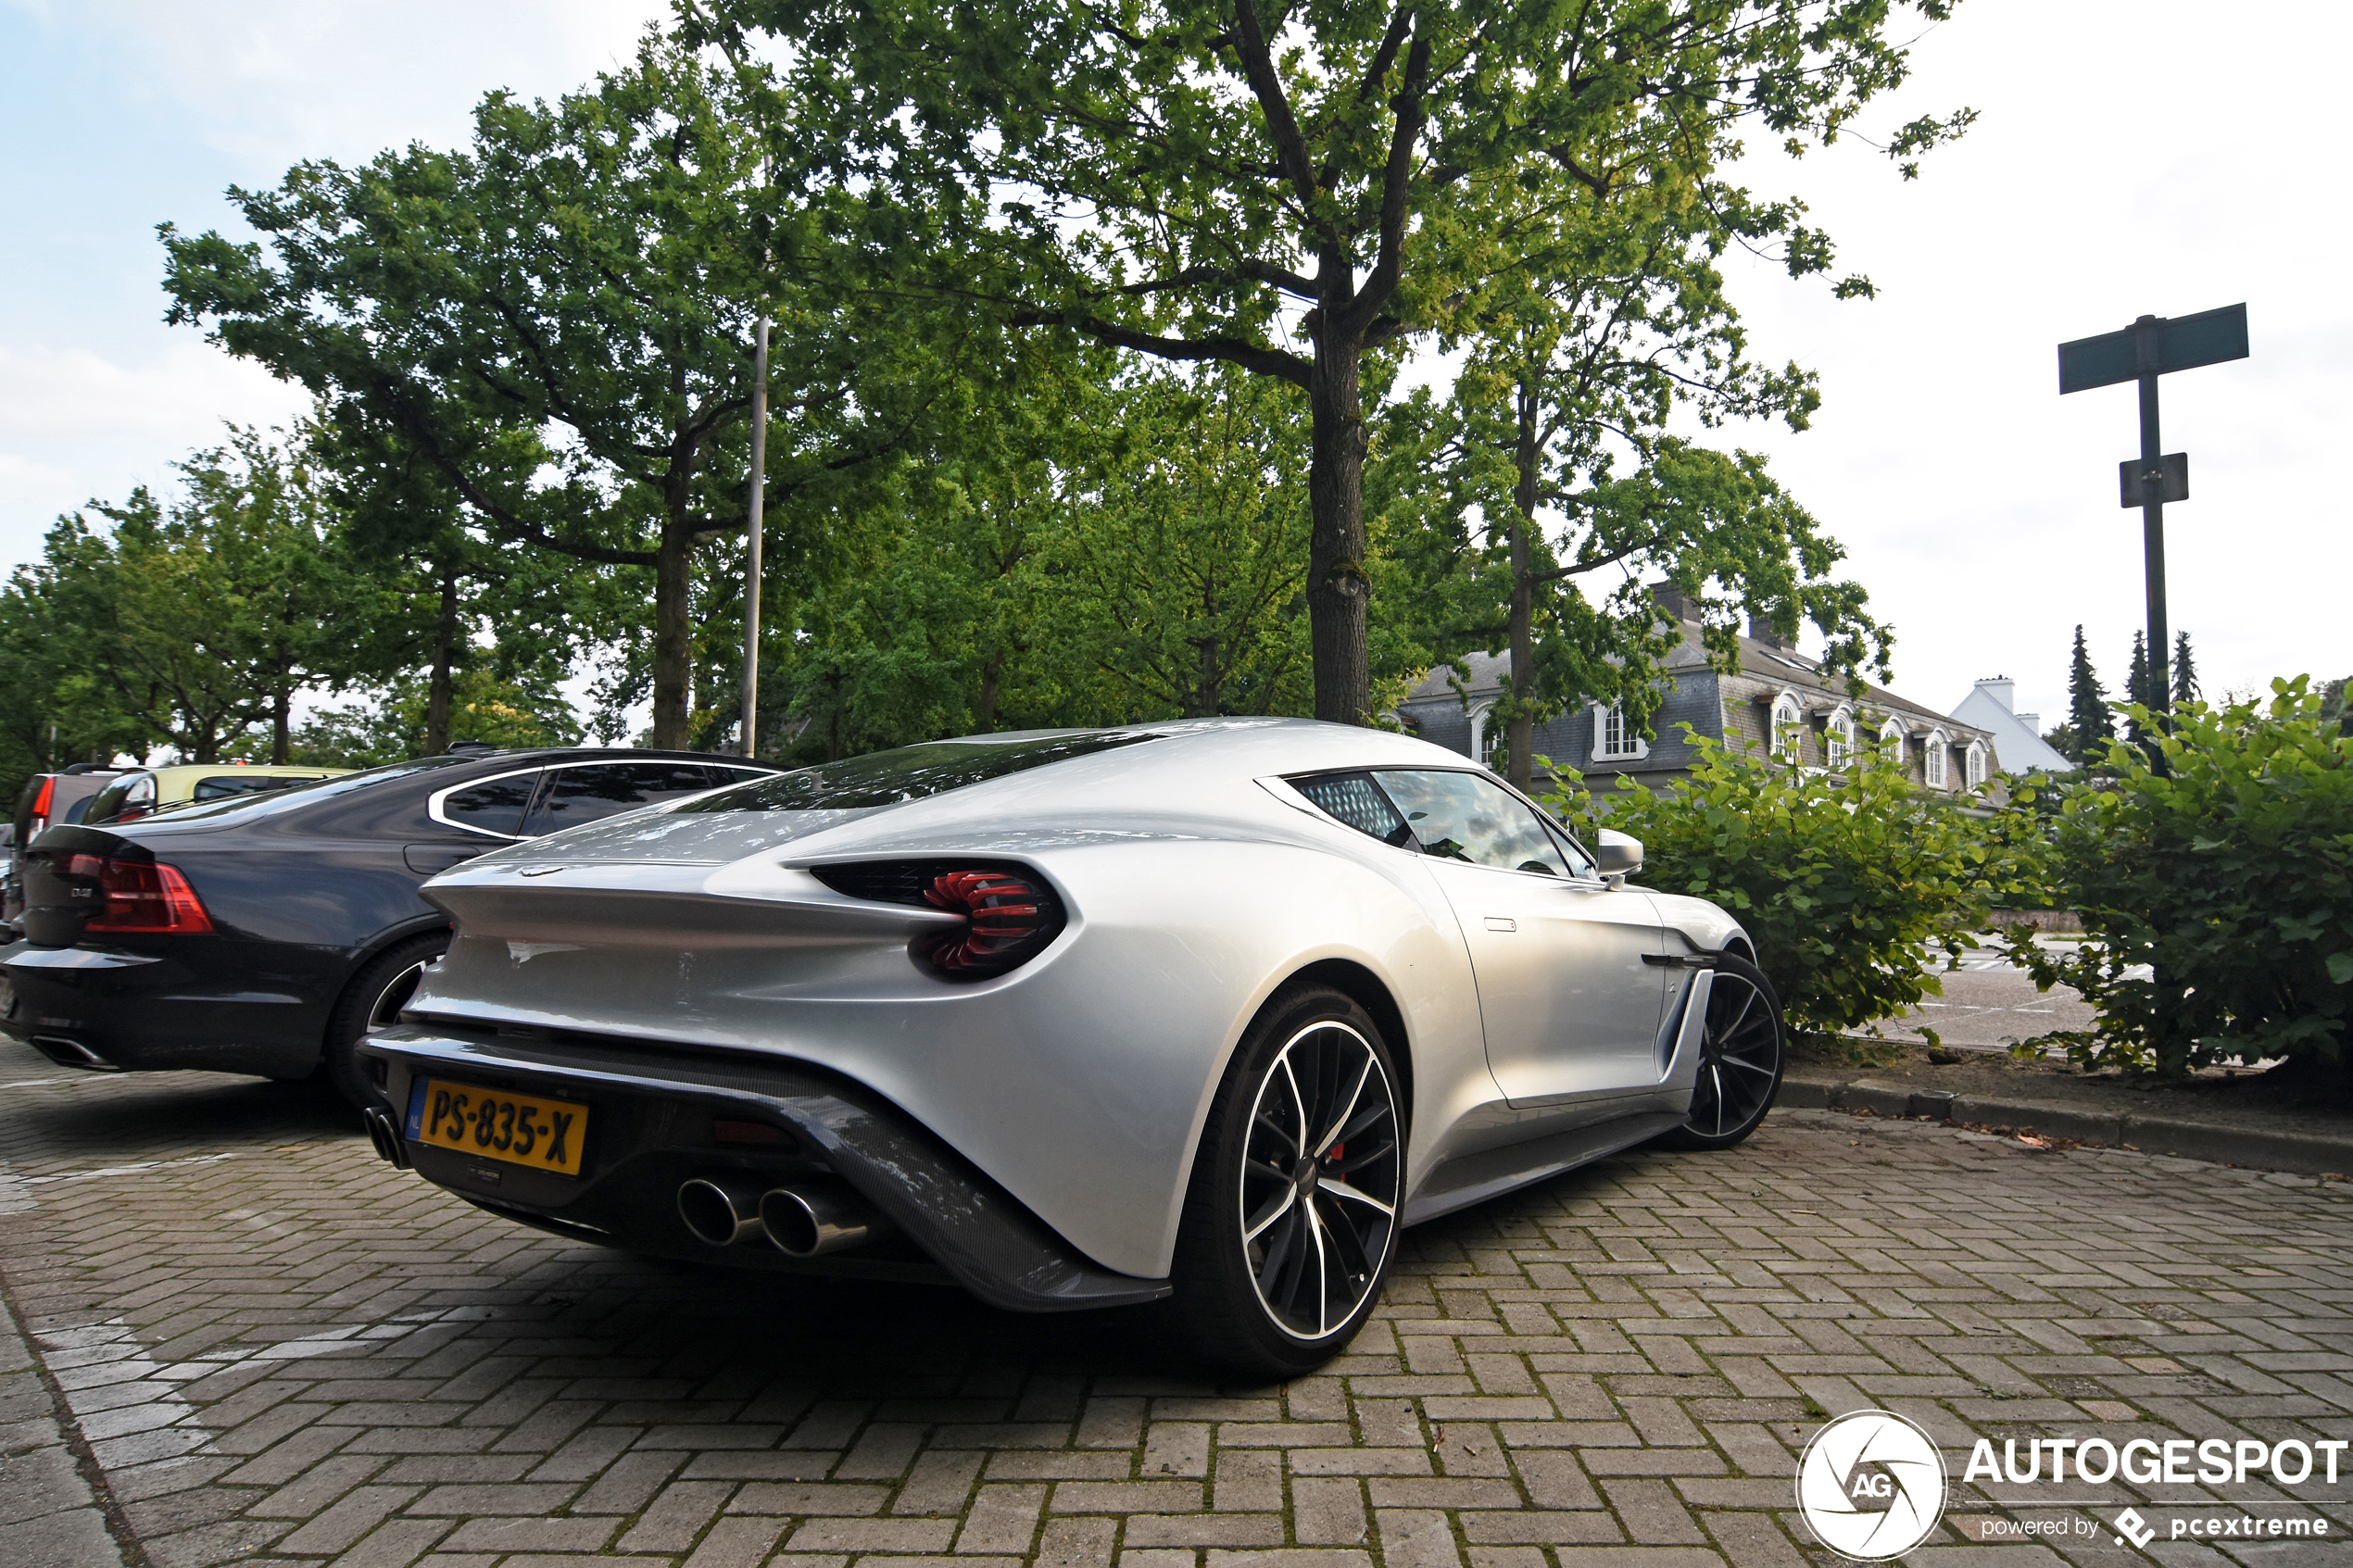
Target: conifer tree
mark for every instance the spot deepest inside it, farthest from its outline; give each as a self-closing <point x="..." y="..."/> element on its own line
<point x="2088" y="719"/>
<point x="2136" y="681"/>
<point x="2185" y="671"/>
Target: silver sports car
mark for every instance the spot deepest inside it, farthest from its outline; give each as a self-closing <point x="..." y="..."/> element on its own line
<point x="1204" y="1010"/>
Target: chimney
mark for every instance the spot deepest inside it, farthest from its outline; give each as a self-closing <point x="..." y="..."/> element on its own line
<point x="1674" y="601"/>
<point x="1761" y="629"/>
<point x="1999" y="689"/>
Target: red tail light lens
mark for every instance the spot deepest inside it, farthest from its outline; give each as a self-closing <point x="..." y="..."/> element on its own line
<point x="133" y="896"/>
<point x="41" y="807"/>
<point x="1010" y="913"/>
<point x="1006" y="920"/>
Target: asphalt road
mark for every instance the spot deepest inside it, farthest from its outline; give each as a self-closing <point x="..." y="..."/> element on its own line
<point x="250" y="1341"/>
<point x="1987" y="1004"/>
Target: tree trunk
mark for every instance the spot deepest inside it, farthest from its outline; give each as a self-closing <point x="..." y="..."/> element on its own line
<point x="1338" y="590"/>
<point x="280" y="725"/>
<point x="990" y="673"/>
<point x="673" y="637"/>
<point x="1521" y="738"/>
<point x="437" y="689"/>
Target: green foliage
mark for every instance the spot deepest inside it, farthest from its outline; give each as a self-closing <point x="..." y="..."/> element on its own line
<point x="193" y="622"/>
<point x="552" y="330"/>
<point x="2185" y="686"/>
<point x="1298" y="192"/>
<point x="1848" y="882"/>
<point x="2226" y="863"/>
<point x="1128" y="552"/>
<point x="388" y="724"/>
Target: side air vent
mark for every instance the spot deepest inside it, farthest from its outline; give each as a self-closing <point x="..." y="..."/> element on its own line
<point x="1010" y="913"/>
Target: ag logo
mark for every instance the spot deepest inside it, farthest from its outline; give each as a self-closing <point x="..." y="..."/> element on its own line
<point x="1871" y="1486"/>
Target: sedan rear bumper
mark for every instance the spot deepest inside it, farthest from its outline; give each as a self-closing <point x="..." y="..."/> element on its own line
<point x="114" y="1010"/>
<point x="651" y="1115"/>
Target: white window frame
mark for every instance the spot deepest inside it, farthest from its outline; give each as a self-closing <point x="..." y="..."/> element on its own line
<point x="440" y="797"/>
<point x="1973" y="765"/>
<point x="1892" y="736"/>
<point x="1478" y="746"/>
<point x="1936" y="761"/>
<point x="1787" y="712"/>
<point x="1632" y="747"/>
<point x="1838" y="738"/>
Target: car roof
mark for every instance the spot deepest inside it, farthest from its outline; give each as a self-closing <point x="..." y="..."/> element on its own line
<point x="170" y="770"/>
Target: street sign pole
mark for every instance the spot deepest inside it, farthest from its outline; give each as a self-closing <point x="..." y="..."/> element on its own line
<point x="753" y="520"/>
<point x="2160" y="689"/>
<point x="2152" y="346"/>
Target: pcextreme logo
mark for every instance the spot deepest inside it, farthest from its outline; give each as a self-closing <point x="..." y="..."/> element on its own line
<point x="1871" y="1486"/>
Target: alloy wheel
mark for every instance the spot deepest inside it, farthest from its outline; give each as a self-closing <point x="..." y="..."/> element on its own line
<point x="1740" y="1057"/>
<point x="398" y="987"/>
<point x="1321" y="1171"/>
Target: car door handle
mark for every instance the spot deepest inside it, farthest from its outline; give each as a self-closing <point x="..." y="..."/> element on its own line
<point x="1502" y="922"/>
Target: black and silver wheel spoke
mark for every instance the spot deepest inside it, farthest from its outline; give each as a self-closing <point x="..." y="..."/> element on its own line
<point x="1740" y="1057"/>
<point x="1321" y="1177"/>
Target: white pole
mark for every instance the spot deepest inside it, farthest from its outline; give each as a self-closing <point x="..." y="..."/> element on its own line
<point x="752" y="559"/>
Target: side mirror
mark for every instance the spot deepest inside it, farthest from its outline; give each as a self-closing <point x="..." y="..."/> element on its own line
<point x="1617" y="854"/>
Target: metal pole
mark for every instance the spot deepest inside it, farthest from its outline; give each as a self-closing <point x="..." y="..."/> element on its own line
<point x="2159" y="695"/>
<point x="753" y="509"/>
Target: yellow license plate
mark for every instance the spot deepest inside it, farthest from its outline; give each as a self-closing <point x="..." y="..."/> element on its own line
<point x="546" y="1135"/>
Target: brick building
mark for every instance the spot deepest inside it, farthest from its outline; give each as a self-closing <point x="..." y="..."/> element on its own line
<point x="1775" y="687"/>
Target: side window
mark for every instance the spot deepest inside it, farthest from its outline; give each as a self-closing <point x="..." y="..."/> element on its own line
<point x="1579" y="863"/>
<point x="220" y="786"/>
<point x="1355" y="800"/>
<point x="1464" y="817"/>
<point x="586" y="793"/>
<point x="494" y="806"/>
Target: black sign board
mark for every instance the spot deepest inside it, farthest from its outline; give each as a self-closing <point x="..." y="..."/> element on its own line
<point x="2182" y="343"/>
<point x="2172" y="472"/>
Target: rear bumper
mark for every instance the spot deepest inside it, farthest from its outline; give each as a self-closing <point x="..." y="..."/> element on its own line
<point x="650" y="1129"/>
<point x="96" y="1006"/>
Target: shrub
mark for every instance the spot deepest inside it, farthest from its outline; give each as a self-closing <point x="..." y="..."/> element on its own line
<point x="2221" y="857"/>
<point x="1848" y="882"/>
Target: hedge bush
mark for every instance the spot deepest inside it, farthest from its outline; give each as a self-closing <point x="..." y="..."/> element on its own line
<point x="2223" y="858"/>
<point x="1850" y="881"/>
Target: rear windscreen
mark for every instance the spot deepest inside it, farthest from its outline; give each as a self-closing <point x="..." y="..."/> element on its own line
<point x="910" y="773"/>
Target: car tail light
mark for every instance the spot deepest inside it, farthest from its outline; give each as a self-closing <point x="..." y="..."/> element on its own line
<point x="1010" y="914"/>
<point x="41" y="807"/>
<point x="136" y="896"/>
<point x="1004" y="917"/>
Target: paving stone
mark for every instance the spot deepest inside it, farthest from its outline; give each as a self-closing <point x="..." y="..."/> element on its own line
<point x="1612" y="1370"/>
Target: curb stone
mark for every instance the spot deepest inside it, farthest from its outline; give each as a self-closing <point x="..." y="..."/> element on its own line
<point x="2301" y="1153"/>
<point x="51" y="1516"/>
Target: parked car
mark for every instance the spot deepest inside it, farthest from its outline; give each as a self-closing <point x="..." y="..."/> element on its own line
<point x="1072" y="1018"/>
<point x="264" y="934"/>
<point x="145" y="791"/>
<point x="61" y="796"/>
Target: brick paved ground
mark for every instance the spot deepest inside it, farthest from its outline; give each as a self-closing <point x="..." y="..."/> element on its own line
<point x="279" y="1350"/>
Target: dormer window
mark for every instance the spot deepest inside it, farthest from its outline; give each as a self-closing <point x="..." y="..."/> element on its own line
<point x="1838" y="738"/>
<point x="1891" y="740"/>
<point x="1932" y="759"/>
<point x="1615" y="738"/>
<point x="1787" y="716"/>
<point x="1973" y="765"/>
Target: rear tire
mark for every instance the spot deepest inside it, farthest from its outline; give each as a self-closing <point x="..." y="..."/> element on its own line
<point x="1741" y="1057"/>
<point x="372" y="1001"/>
<point x="1290" y="1219"/>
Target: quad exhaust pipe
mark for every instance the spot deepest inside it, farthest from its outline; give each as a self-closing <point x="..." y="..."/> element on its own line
<point x="806" y="1219"/>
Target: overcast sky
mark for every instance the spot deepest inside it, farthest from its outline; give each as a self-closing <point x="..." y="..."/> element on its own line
<point x="2129" y="157"/>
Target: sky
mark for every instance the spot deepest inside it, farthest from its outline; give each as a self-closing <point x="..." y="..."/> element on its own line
<point x="2127" y="159"/>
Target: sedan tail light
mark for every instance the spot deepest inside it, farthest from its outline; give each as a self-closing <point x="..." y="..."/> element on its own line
<point x="1010" y="914"/>
<point x="135" y="895"/>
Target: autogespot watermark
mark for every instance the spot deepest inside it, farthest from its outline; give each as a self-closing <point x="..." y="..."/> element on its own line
<point x="1871" y="1486"/>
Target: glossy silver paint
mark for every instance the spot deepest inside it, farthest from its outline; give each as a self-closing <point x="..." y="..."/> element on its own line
<point x="1197" y="883"/>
